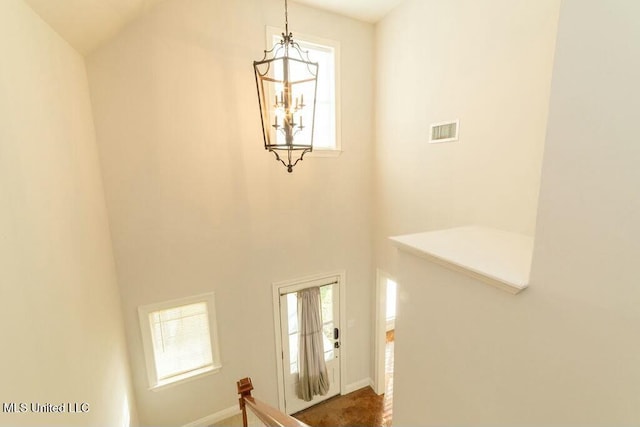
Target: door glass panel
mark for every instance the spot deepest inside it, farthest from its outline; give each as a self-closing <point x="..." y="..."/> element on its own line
<point x="292" y="312"/>
<point x="293" y="352"/>
<point x="327" y="339"/>
<point x="326" y="298"/>
<point x="292" y="320"/>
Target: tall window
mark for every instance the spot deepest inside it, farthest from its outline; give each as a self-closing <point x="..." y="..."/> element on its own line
<point x="180" y="339"/>
<point x="326" y="137"/>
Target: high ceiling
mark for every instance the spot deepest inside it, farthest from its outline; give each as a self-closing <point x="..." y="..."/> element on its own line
<point x="85" y="24"/>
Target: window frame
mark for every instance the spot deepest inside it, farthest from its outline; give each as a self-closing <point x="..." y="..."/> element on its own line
<point x="272" y="32"/>
<point x="147" y="340"/>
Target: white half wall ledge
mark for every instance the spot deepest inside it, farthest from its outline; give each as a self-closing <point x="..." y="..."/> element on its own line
<point x="495" y="257"/>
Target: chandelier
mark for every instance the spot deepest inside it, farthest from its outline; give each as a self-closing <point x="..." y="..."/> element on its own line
<point x="286" y="80"/>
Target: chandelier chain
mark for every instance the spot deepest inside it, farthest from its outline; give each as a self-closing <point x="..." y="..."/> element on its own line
<point x="286" y="18"/>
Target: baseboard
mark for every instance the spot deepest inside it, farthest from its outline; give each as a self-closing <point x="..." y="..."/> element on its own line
<point x="365" y="382"/>
<point x="214" y="418"/>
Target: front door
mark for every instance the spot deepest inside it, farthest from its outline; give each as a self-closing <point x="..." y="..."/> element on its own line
<point x="330" y="303"/>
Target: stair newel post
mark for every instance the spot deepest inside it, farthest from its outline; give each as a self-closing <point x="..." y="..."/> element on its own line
<point x="244" y="390"/>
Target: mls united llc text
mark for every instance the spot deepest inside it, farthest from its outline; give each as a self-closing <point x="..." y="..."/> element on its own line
<point x="69" y="407"/>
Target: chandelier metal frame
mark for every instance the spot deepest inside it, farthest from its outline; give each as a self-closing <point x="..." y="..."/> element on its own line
<point x="284" y="54"/>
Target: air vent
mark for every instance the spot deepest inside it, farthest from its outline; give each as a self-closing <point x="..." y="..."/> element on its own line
<point x="444" y="132"/>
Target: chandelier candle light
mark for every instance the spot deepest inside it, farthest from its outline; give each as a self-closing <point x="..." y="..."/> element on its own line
<point x="286" y="80"/>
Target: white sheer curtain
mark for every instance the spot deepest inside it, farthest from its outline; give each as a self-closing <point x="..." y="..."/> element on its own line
<point x="312" y="370"/>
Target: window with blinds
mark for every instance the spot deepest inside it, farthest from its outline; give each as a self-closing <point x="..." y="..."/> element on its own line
<point x="180" y="339"/>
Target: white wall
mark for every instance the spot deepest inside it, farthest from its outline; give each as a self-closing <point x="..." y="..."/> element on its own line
<point x="486" y="63"/>
<point x="63" y="337"/>
<point x="196" y="203"/>
<point x="565" y="351"/>
<point x="589" y="217"/>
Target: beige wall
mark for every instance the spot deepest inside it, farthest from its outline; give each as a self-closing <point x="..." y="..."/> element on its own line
<point x="197" y="205"/>
<point x="587" y="244"/>
<point x="565" y="351"/>
<point x="63" y="336"/>
<point x="486" y="63"/>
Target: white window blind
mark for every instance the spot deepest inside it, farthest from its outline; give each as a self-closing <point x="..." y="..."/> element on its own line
<point x="180" y="339"/>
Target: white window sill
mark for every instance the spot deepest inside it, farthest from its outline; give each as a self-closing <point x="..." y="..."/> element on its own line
<point x="317" y="152"/>
<point x="495" y="257"/>
<point x="186" y="377"/>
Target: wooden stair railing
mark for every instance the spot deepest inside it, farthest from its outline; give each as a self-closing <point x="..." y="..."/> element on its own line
<point x="269" y="415"/>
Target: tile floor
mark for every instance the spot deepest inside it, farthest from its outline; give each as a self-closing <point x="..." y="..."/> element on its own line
<point x="361" y="408"/>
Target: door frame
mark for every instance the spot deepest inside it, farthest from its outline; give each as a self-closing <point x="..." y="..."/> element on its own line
<point x="298" y="284"/>
<point x="380" y="327"/>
